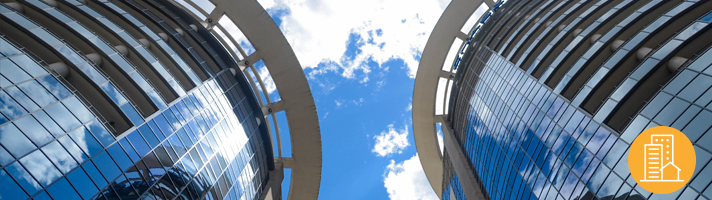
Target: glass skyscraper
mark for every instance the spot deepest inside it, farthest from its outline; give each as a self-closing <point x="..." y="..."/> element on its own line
<point x="143" y="100"/>
<point x="545" y="97"/>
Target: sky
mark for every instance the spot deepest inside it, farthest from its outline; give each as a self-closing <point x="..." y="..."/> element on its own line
<point x="360" y="58"/>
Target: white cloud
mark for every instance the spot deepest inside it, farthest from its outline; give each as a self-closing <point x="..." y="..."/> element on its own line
<point x="338" y="103"/>
<point x="409" y="108"/>
<point x="407" y="180"/>
<point x="391" y="141"/>
<point x="266" y="79"/>
<point x="318" y="31"/>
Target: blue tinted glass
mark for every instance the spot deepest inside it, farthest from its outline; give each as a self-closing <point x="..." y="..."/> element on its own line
<point x="137" y="141"/>
<point x="132" y="114"/>
<point x="48" y="123"/>
<point x="10" y="107"/>
<point x="119" y="156"/>
<point x="40" y="167"/>
<point x="114" y="94"/>
<point x="94" y="174"/>
<point x="150" y="137"/>
<point x="183" y="137"/>
<point x="86" y="141"/>
<point x="29" y="65"/>
<point x="60" y="157"/>
<point x="177" y="114"/>
<point x="32" y="129"/>
<point x="156" y="130"/>
<point x="23" y="178"/>
<point x="108" y="168"/>
<point x="5" y="157"/>
<point x="21" y="98"/>
<point x="129" y="150"/>
<point x="163" y="124"/>
<point x="42" y="196"/>
<point x="10" y="189"/>
<point x="62" y="190"/>
<point x="610" y="187"/>
<point x="79" y="109"/>
<point x="73" y="149"/>
<point x="62" y="116"/>
<point x="100" y="132"/>
<point x="12" y="72"/>
<point x="82" y="183"/>
<point x="673" y="110"/>
<point x="37" y="92"/>
<point x="54" y="87"/>
<point x="14" y="141"/>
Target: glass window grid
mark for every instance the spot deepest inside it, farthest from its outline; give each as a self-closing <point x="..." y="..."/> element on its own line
<point x="604" y="39"/>
<point x="246" y="151"/>
<point x="163" y="44"/>
<point x="646" y="67"/>
<point x="480" y="106"/>
<point x="108" y="50"/>
<point x="74" y="57"/>
<point x="576" y="42"/>
<point x="535" y="27"/>
<point x="560" y="35"/>
<point x="525" y="24"/>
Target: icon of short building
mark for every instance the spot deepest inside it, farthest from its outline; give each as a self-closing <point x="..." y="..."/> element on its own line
<point x="670" y="172"/>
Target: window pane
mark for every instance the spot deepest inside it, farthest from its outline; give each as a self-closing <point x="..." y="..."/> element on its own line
<point x="62" y="190"/>
<point x="86" y="141"/>
<point x="73" y="149"/>
<point x="119" y="156"/>
<point x="12" y="72"/>
<point x="79" y="109"/>
<point x="82" y="183"/>
<point x="10" y="189"/>
<point x="48" y="123"/>
<point x="62" y="116"/>
<point x="108" y="168"/>
<point x="21" y="98"/>
<point x="54" y="87"/>
<point x="59" y="157"/>
<point x="40" y="167"/>
<point x="15" y="142"/>
<point x="37" y="92"/>
<point x="10" y="107"/>
<point x="32" y="129"/>
<point x="94" y="174"/>
<point x="23" y="178"/>
<point x="138" y="143"/>
<point x="100" y="132"/>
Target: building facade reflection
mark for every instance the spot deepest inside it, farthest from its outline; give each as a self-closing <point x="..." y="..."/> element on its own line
<point x="144" y="118"/>
<point x="547" y="96"/>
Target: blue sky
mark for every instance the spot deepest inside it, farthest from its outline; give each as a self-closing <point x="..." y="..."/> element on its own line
<point x="360" y="61"/>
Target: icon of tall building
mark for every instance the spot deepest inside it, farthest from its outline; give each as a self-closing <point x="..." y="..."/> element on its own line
<point x="653" y="162"/>
<point x="541" y="99"/>
<point x="151" y="99"/>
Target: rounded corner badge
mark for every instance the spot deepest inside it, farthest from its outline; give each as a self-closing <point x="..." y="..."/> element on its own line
<point x="661" y="159"/>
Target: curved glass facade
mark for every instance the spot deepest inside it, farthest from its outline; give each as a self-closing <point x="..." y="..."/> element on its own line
<point x="207" y="143"/>
<point x="525" y="137"/>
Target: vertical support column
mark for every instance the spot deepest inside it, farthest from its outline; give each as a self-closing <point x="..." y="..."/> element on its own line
<point x="273" y="190"/>
<point x="468" y="182"/>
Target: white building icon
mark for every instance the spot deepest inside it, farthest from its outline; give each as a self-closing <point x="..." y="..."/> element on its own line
<point x="660" y="159"/>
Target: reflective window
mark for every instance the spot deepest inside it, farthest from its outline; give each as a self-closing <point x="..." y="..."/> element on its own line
<point x="54" y="87"/>
<point x="15" y="142"/>
<point x="10" y="189"/>
<point x="82" y="183"/>
<point x="38" y="93"/>
<point x="86" y="141"/>
<point x="108" y="167"/>
<point x="34" y="130"/>
<point x="60" y="157"/>
<point x="62" y="116"/>
<point x="40" y="167"/>
<point x="23" y="178"/>
<point x="79" y="109"/>
<point x="62" y="190"/>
